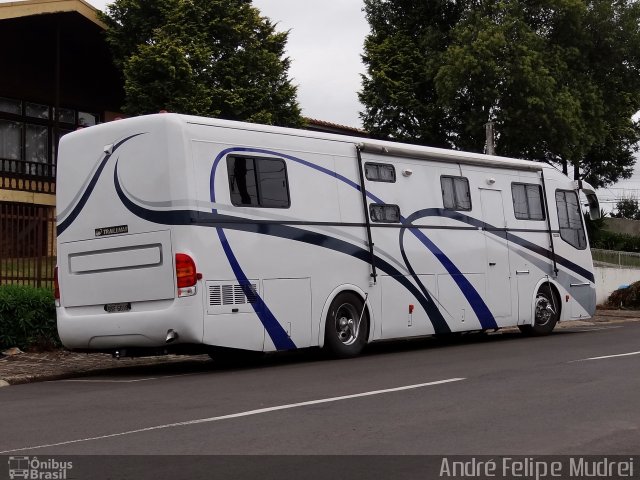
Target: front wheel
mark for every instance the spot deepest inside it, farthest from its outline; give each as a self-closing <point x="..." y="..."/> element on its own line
<point x="345" y="333"/>
<point x="546" y="313"/>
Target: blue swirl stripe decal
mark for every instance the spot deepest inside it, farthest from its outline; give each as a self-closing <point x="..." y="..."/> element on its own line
<point x="471" y="294"/>
<point x="326" y="171"/>
<point x="278" y="335"/>
<point x="503" y="233"/>
<point x="226" y="222"/>
<point x="62" y="226"/>
<point x="485" y="317"/>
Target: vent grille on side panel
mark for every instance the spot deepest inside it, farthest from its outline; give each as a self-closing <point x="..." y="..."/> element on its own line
<point x="232" y="294"/>
<point x="215" y="295"/>
<point x="227" y="295"/>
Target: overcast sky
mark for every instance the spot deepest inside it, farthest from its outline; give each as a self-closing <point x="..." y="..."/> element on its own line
<point x="325" y="44"/>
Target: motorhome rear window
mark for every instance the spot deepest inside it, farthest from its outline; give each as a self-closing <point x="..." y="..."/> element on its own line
<point x="527" y="201"/>
<point x="380" y="172"/>
<point x="455" y="192"/>
<point x="385" y="213"/>
<point x="258" y="182"/>
<point x="570" y="219"/>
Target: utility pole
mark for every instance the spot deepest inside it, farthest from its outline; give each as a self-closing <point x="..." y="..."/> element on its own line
<point x="491" y="145"/>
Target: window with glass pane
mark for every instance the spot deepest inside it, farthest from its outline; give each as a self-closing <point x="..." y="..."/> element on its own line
<point x="570" y="219"/>
<point x="37" y="148"/>
<point x="9" y="105"/>
<point x="87" y="119"/>
<point x="29" y="134"/>
<point x="36" y="110"/>
<point x="10" y="140"/>
<point x="66" y="115"/>
<point x="54" y="146"/>
<point x="527" y="201"/>
<point x="455" y="192"/>
<point x="380" y="172"/>
<point x="258" y="182"/>
<point x="386" y="213"/>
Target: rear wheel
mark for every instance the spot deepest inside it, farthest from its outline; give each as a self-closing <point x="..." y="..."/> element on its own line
<point x="546" y="313"/>
<point x="346" y="327"/>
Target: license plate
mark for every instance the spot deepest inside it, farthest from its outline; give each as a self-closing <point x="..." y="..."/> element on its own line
<point x="117" y="307"/>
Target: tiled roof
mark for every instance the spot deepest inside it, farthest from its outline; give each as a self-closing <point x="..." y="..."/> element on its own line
<point x="333" y="126"/>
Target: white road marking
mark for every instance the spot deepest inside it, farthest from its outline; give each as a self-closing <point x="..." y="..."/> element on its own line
<point x="606" y="356"/>
<point x="240" y="414"/>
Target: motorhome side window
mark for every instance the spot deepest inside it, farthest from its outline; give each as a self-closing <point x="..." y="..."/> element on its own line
<point x="455" y="192"/>
<point x="258" y="182"/>
<point x="527" y="201"/>
<point x="570" y="219"/>
<point x="380" y="172"/>
<point x="382" y="212"/>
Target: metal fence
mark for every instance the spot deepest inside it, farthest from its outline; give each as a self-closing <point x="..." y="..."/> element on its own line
<point x="27" y="244"/>
<point x="28" y="171"/>
<point x="612" y="258"/>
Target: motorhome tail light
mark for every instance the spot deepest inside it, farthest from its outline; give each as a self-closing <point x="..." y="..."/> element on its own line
<point x="56" y="287"/>
<point x="186" y="275"/>
<point x="185" y="270"/>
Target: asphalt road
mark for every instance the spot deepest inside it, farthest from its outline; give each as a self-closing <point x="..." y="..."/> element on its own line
<point x="485" y="395"/>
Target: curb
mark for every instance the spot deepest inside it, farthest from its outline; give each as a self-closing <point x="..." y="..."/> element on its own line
<point x="50" y="377"/>
<point x="24" y="379"/>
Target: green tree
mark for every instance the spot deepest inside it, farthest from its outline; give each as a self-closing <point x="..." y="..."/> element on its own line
<point x="560" y="79"/>
<point x="402" y="54"/>
<point x="627" y="207"/>
<point x="216" y="58"/>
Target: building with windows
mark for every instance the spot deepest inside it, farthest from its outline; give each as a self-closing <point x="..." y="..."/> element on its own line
<point x="57" y="76"/>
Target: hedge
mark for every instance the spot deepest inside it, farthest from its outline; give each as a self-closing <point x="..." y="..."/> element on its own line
<point x="607" y="240"/>
<point x="621" y="242"/>
<point x="27" y="318"/>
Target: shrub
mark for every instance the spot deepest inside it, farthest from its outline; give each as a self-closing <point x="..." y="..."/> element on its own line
<point x="625" y="298"/>
<point x="27" y="317"/>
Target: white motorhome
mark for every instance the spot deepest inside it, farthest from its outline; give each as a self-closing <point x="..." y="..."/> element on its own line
<point x="182" y="233"/>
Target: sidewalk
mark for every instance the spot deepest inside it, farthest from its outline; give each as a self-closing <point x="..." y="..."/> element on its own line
<point x="60" y="364"/>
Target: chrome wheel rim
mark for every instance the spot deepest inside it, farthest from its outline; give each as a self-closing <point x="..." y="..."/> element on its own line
<point x="346" y="323"/>
<point x="545" y="311"/>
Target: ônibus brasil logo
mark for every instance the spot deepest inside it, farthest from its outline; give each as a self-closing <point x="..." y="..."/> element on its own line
<point x="32" y="468"/>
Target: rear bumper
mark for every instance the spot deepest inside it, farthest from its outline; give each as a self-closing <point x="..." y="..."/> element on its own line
<point x="145" y="326"/>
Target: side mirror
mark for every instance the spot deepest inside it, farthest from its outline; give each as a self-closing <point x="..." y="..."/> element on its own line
<point x="594" y="206"/>
<point x="592" y="199"/>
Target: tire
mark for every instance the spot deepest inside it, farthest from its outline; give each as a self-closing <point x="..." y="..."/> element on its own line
<point x="343" y="337"/>
<point x="546" y="313"/>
